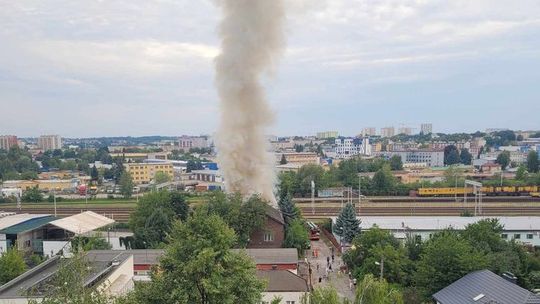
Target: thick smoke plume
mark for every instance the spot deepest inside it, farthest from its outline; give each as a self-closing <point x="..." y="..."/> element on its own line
<point x="252" y="39"/>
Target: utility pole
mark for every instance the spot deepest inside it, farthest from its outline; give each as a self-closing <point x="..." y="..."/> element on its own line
<point x="312" y="197"/>
<point x="54" y="198"/>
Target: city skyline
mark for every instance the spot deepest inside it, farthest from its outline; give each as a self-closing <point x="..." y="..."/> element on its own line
<point x="143" y="68"/>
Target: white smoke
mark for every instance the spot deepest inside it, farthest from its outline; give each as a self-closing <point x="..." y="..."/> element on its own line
<point x="252" y="39"/>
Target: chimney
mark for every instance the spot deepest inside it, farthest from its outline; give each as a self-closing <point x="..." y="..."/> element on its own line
<point x="510" y="277"/>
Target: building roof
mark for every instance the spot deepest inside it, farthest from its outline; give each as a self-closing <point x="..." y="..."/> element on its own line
<point x="36" y="279"/>
<point x="83" y="222"/>
<point x="485" y="287"/>
<point x="140" y="256"/>
<point x="510" y="223"/>
<point x="28" y="225"/>
<point x="12" y="220"/>
<point x="275" y="214"/>
<point x="282" y="281"/>
<point x="272" y="255"/>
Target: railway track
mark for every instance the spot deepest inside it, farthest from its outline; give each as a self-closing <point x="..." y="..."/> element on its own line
<point x="408" y="199"/>
<point x="121" y="214"/>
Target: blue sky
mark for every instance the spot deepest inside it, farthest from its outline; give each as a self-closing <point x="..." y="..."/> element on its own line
<point x="130" y="67"/>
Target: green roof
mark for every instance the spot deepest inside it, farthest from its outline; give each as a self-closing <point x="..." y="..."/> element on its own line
<point x="28" y="225"/>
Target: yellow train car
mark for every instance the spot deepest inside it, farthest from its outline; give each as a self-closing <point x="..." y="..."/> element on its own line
<point x="487" y="190"/>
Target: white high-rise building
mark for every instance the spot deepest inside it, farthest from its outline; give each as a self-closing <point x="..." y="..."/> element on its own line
<point x="50" y="142"/>
<point x="426" y="128"/>
<point x="346" y="148"/>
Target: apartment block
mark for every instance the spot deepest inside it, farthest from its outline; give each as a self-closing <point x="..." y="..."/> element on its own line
<point x="426" y="128"/>
<point x="388" y="132"/>
<point x="8" y="141"/>
<point x="327" y="134"/>
<point x="369" y="131"/>
<point x="188" y="142"/>
<point x="144" y="173"/>
<point x="50" y="142"/>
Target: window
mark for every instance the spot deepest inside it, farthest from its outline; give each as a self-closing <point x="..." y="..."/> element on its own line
<point x="504" y="236"/>
<point x="517" y="236"/>
<point x="289" y="302"/>
<point x="529" y="236"/>
<point x="268" y="236"/>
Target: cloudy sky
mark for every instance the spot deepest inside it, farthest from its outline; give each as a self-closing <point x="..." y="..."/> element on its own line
<point x="134" y="67"/>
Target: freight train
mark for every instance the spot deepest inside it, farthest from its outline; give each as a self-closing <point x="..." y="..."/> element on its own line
<point x="486" y="190"/>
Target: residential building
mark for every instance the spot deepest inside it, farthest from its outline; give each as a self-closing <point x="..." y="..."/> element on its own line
<point x="50" y="142"/>
<point x="523" y="229"/>
<point x="273" y="258"/>
<point x="272" y="233"/>
<point x="8" y="141"/>
<point x="327" y="134"/>
<point x="405" y="130"/>
<point x="369" y="132"/>
<point x="387" y="132"/>
<point x="188" y="142"/>
<point x="144" y="173"/>
<point x="426" y="128"/>
<point x="433" y="157"/>
<point x="484" y="286"/>
<point x="283" y="284"/>
<point x="112" y="274"/>
<point x="299" y="158"/>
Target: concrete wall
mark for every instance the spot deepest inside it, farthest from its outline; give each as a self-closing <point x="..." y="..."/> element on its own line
<point x="267" y="297"/>
<point x="120" y="281"/>
<point x="55" y="246"/>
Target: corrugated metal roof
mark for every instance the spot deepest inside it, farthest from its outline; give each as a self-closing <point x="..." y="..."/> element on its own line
<point x="83" y="222"/>
<point x="484" y="282"/>
<point x="28" y="225"/>
<point x="515" y="223"/>
<point x="11" y="220"/>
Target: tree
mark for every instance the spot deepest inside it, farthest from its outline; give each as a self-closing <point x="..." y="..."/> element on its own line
<point x="243" y="216"/>
<point x="322" y="295"/>
<point x="296" y="236"/>
<point x="521" y="173"/>
<point x="283" y="160"/>
<point x="532" y="161"/>
<point x="152" y="219"/>
<point x="451" y="155"/>
<point x="179" y="205"/>
<point x="288" y="209"/>
<point x="199" y="267"/>
<point x="485" y="235"/>
<point x="94" y="174"/>
<point x="446" y="258"/>
<point x="396" y="163"/>
<point x="161" y="177"/>
<point x="383" y="181"/>
<point x="126" y="184"/>
<point x="503" y="159"/>
<point x="465" y="156"/>
<point x="33" y="195"/>
<point x="347" y="225"/>
<point x="374" y="291"/>
<point x="11" y="265"/>
<point x="83" y="243"/>
<point x="298" y="148"/>
<point x="74" y="270"/>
